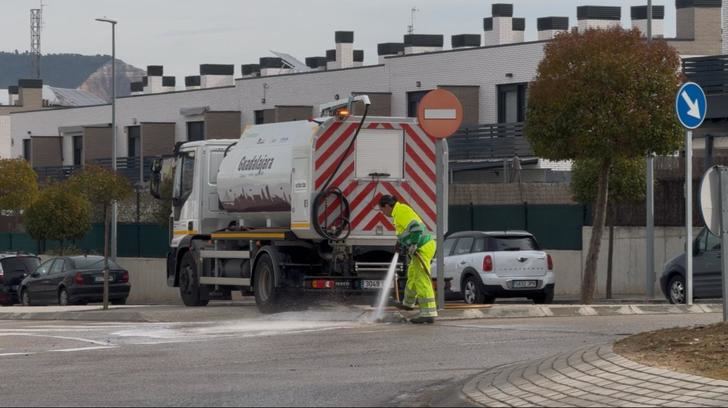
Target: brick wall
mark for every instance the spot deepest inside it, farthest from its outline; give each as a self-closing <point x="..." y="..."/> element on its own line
<point x="222" y="125"/>
<point x="45" y="151"/>
<point x="289" y="113"/>
<point x="511" y="193"/>
<point x="157" y="138"/>
<point x="97" y="142"/>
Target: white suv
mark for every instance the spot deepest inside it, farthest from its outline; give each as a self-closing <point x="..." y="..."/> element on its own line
<point x="487" y="265"/>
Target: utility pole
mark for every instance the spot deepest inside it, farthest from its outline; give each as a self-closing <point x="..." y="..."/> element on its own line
<point x="650" y="199"/>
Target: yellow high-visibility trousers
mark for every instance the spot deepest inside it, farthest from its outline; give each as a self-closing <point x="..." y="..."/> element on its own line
<point x="419" y="283"/>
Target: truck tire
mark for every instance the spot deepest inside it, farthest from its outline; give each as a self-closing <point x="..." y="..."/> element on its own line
<point x="267" y="296"/>
<point x="189" y="286"/>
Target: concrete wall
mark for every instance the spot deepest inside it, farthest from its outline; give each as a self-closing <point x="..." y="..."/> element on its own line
<point x="5" y="138"/>
<point x="148" y="279"/>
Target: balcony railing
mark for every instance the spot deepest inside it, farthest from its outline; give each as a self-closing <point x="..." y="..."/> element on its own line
<point x="125" y="166"/>
<point x="489" y="142"/>
<point x="711" y="73"/>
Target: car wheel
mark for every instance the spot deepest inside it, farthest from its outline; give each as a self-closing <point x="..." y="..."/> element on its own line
<point x="189" y="287"/>
<point x="473" y="292"/>
<point x="676" y="290"/>
<point x="63" y="297"/>
<point x="25" y="297"/>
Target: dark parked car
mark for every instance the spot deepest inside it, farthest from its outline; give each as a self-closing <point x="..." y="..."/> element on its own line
<point x="14" y="267"/>
<point x="706" y="271"/>
<point x="74" y="280"/>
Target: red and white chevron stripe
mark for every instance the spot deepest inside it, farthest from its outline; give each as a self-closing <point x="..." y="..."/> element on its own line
<point x="417" y="189"/>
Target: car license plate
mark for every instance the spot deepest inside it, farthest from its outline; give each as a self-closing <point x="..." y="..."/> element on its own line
<point x="372" y="284"/>
<point x="524" y="284"/>
<point x="100" y="279"/>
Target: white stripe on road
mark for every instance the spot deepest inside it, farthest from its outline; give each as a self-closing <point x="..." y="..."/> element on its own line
<point x="82" y="349"/>
<point x="60" y="338"/>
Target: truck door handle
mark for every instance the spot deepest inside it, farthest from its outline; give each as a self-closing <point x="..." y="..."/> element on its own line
<point x="463" y="263"/>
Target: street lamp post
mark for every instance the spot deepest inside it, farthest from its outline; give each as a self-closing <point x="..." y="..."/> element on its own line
<point x="650" y="198"/>
<point x="114" y="208"/>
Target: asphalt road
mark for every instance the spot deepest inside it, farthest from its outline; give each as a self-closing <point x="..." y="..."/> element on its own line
<point x="293" y="359"/>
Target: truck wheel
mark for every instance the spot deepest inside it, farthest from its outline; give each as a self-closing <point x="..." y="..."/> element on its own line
<point x="189" y="286"/>
<point x="267" y="296"/>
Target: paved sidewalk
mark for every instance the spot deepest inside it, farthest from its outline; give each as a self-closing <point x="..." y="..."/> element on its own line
<point x="593" y="376"/>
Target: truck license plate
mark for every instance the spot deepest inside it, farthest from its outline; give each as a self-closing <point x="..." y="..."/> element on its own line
<point x="525" y="284"/>
<point x="372" y="284"/>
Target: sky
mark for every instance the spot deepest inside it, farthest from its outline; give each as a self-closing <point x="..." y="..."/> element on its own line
<point x="182" y="34"/>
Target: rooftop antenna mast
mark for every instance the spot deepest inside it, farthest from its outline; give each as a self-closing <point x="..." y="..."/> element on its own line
<point x="36" y="25"/>
<point x="411" y="27"/>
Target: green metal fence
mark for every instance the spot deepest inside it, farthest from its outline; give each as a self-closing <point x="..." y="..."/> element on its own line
<point x="134" y="240"/>
<point x="555" y="226"/>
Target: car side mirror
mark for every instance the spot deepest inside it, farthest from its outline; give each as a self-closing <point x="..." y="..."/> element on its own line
<point x="34" y="275"/>
<point x="696" y="248"/>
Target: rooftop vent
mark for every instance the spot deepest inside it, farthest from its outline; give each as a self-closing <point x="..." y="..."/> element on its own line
<point x="216" y="75"/>
<point x="595" y="17"/>
<point x="549" y="27"/>
<point x="388" y="50"/>
<point x="421" y="43"/>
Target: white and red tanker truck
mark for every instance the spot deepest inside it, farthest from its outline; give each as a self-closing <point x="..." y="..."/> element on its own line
<point x="291" y="208"/>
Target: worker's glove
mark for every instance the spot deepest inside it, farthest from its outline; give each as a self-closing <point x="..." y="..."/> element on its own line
<point x="411" y="250"/>
<point x="398" y="248"/>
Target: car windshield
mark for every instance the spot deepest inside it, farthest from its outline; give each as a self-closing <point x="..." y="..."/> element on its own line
<point x="19" y="264"/>
<point x="515" y="243"/>
<point x="93" y="263"/>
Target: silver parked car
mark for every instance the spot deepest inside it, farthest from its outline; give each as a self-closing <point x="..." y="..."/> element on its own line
<point x="706" y="271"/>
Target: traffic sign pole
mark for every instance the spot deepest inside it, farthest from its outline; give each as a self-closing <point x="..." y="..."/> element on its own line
<point x="691" y="107"/>
<point x="441" y="160"/>
<point x="440" y="115"/>
<point x="689" y="215"/>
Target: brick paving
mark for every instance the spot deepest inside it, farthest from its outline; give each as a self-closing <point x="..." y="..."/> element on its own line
<point x="593" y="376"/>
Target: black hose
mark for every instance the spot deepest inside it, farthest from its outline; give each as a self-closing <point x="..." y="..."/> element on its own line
<point x="343" y="230"/>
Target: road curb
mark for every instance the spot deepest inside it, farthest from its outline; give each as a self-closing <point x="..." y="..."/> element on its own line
<point x="151" y="314"/>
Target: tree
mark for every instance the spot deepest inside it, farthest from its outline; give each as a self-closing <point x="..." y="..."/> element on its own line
<point x="603" y="95"/>
<point x="18" y="185"/>
<point x="58" y="214"/>
<point x="102" y="188"/>
<point x="627" y="183"/>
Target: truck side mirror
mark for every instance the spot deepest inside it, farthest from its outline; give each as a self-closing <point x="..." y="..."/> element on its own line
<point x="155" y="181"/>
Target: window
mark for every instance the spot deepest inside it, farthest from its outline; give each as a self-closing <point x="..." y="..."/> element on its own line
<point x="57" y="267"/>
<point x="93" y="262"/>
<point x="184" y="176"/>
<point x="77" y="150"/>
<point x="512" y="103"/>
<point x="515" y="243"/>
<point x="26" y="149"/>
<point x="42" y="270"/>
<point x="712" y="243"/>
<point x="447" y="247"/>
<point x="134" y="141"/>
<point x="479" y="245"/>
<point x="259" y="117"/>
<point x="19" y="264"/>
<point x="413" y="102"/>
<point x="216" y="157"/>
<point x="463" y="246"/>
<point x="195" y="131"/>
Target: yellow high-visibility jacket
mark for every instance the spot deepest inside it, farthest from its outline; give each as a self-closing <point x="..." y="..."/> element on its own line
<point x="409" y="226"/>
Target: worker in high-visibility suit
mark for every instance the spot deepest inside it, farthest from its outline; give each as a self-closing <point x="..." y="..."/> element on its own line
<point x="414" y="239"/>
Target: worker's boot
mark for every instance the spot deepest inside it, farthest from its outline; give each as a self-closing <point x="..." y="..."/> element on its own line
<point x="422" y="320"/>
<point x="402" y="306"/>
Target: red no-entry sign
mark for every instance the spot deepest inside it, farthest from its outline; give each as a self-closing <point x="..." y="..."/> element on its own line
<point x="440" y="113"/>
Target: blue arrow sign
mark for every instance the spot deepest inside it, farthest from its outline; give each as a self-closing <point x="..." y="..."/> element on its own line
<point x="691" y="105"/>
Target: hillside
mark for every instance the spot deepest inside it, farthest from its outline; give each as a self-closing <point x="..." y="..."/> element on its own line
<point x="68" y="71"/>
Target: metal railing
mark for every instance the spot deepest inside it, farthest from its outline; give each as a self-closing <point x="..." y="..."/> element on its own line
<point x="489" y="142"/>
<point x="125" y="166"/>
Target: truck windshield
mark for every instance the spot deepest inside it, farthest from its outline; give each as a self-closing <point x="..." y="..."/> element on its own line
<point x="184" y="174"/>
